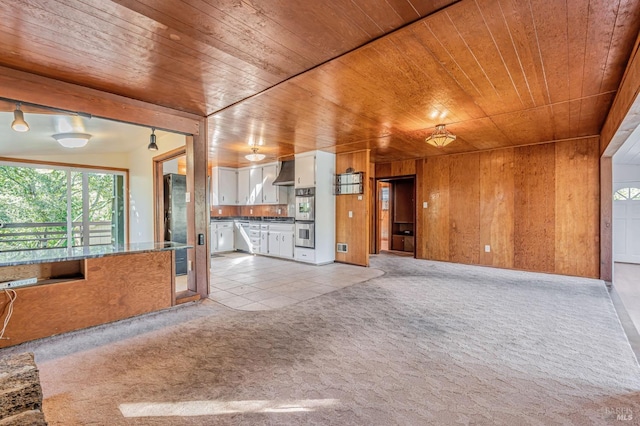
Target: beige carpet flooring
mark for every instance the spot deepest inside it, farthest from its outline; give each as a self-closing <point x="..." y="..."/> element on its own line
<point x="427" y="343"/>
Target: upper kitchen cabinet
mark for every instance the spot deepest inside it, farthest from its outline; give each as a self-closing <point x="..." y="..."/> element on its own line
<point x="243" y="186"/>
<point x="255" y="185"/>
<point x="224" y="186"/>
<point x="272" y="194"/>
<point x="305" y="170"/>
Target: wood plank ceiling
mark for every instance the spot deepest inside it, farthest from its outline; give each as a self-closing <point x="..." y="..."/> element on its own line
<point x="341" y="75"/>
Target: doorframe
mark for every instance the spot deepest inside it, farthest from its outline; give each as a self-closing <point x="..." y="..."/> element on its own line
<point x="158" y="214"/>
<point x="391" y="207"/>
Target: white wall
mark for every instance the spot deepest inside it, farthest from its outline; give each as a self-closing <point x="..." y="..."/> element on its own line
<point x="140" y="164"/>
<point x="625" y="173"/>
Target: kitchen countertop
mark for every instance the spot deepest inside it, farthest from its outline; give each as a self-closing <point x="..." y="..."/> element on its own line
<point x="30" y="257"/>
<point x="269" y="219"/>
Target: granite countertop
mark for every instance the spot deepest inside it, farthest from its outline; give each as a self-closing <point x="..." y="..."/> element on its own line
<point x="29" y="257"/>
<point x="270" y="219"/>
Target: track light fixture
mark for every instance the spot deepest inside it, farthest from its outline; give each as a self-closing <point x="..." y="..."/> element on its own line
<point x="152" y="140"/>
<point x="19" y="125"/>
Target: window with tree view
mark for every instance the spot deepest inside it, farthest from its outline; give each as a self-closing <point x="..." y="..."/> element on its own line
<point x="46" y="207"/>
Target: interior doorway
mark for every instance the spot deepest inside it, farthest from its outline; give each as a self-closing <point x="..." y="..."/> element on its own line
<point x="395" y="215"/>
<point x="171" y="219"/>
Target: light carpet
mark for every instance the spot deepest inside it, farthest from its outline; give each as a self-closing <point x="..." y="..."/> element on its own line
<point x="426" y="343"/>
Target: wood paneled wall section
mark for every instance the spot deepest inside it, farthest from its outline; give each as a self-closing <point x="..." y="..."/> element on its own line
<point x="113" y="288"/>
<point x="354" y="230"/>
<point x="395" y="169"/>
<point x="537" y="207"/>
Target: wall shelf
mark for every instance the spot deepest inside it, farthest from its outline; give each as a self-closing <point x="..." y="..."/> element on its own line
<point x="348" y="183"/>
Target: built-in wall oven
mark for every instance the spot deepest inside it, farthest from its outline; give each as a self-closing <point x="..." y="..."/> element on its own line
<point x="305" y="204"/>
<point x="305" y="216"/>
<point x="305" y="234"/>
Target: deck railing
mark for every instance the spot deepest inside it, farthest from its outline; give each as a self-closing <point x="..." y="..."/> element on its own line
<point x="31" y="236"/>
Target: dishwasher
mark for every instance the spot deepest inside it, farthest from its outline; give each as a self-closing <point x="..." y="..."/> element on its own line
<point x="243" y="243"/>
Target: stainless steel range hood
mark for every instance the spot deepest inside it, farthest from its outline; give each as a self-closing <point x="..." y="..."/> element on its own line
<point x="287" y="174"/>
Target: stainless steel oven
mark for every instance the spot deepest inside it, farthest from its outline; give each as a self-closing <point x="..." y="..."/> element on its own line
<point x="305" y="234"/>
<point x="305" y="204"/>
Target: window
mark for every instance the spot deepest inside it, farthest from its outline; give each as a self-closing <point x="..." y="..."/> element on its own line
<point x="627" y="194"/>
<point x="45" y="207"/>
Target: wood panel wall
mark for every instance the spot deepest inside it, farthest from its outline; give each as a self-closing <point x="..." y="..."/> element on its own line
<point x="537" y="207"/>
<point x="113" y="288"/>
<point x="395" y="169"/>
<point x="354" y="230"/>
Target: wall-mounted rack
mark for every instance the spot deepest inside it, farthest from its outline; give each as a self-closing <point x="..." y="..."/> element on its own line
<point x="348" y="183"/>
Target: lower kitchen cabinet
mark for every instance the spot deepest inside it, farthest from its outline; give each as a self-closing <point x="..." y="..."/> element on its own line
<point x="281" y="240"/>
<point x="222" y="237"/>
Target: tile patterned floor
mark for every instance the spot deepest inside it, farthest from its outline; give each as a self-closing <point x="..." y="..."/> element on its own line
<point x="257" y="283"/>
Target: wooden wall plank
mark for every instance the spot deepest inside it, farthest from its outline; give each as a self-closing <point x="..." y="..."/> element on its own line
<point x="534" y="208"/>
<point x="464" y="208"/>
<point x="606" y="219"/>
<point x="577" y="204"/>
<point x="497" y="207"/>
<point x="435" y="237"/>
<point x="354" y="230"/>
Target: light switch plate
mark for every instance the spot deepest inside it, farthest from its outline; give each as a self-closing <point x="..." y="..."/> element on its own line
<point x="487" y="248"/>
<point x="425" y="204"/>
<point x="187" y="197"/>
<point x="359" y="197"/>
<point x="350" y="213"/>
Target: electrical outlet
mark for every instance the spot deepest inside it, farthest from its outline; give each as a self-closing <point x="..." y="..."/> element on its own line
<point x="425" y="204"/>
<point x="250" y="211"/>
<point x="187" y="197"/>
<point x="189" y="266"/>
<point x="279" y="211"/>
<point x="487" y="248"/>
<point x="219" y="211"/>
<point x="350" y="213"/>
<point x="359" y="197"/>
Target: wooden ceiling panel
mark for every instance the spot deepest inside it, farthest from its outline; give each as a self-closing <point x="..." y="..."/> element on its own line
<point x="341" y="75"/>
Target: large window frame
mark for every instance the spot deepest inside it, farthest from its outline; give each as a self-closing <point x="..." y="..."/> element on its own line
<point x="70" y="168"/>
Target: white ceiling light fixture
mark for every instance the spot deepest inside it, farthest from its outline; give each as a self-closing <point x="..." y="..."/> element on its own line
<point x="254" y="148"/>
<point x="72" y="140"/>
<point x="440" y="137"/>
<point x="19" y="125"/>
<point x="255" y="156"/>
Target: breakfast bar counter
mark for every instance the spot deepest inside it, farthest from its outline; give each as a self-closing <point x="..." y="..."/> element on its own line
<point x="60" y="290"/>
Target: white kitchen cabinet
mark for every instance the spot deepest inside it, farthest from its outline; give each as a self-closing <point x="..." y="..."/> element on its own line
<point x="243" y="186"/>
<point x="281" y="240"/>
<point x="223" y="238"/>
<point x="224" y="187"/>
<point x="255" y="185"/>
<point x="264" y="239"/>
<point x="272" y="194"/>
<point x="305" y="170"/>
<point x="324" y="166"/>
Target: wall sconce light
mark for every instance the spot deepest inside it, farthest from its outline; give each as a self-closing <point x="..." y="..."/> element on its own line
<point x="152" y="141"/>
<point x="19" y="125"/>
<point x="72" y="140"/>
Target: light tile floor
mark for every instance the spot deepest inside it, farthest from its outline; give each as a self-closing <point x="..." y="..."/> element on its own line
<point x="257" y="283"/>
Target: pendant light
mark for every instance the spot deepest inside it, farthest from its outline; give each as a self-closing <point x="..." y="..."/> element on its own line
<point x="152" y="140"/>
<point x="19" y="125"/>
<point x="440" y="137"/>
